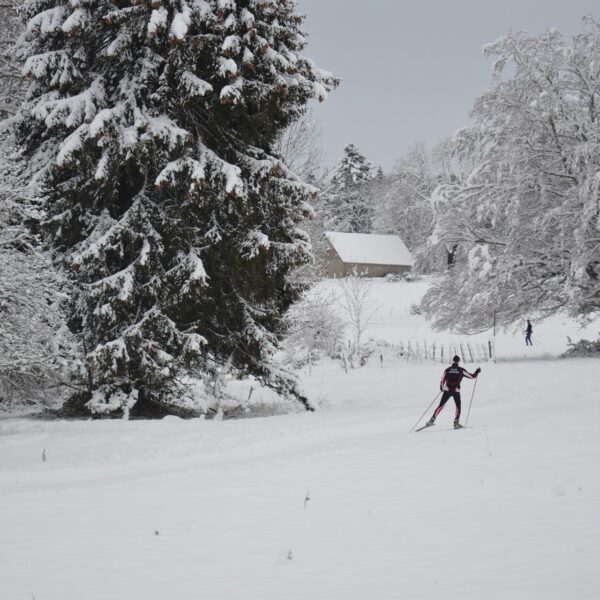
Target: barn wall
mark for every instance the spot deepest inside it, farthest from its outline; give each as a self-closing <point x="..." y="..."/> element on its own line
<point x="335" y="267"/>
<point x="374" y="270"/>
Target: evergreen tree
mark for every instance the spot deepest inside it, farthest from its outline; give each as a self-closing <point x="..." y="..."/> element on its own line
<point x="347" y="203"/>
<point x="150" y="125"/>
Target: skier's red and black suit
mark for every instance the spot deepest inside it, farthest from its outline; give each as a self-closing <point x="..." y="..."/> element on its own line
<point x="455" y="375"/>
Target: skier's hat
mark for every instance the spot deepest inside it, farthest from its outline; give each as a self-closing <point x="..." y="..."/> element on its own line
<point x="456" y="359"/>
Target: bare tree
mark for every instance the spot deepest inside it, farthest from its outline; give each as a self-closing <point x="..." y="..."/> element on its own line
<point x="357" y="305"/>
<point x="402" y="200"/>
<point x="300" y="147"/>
<point x="314" y="329"/>
<point x="524" y="223"/>
<point x="34" y="346"/>
<point x="12" y="84"/>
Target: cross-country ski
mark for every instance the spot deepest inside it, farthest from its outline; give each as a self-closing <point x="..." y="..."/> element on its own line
<point x="425" y="426"/>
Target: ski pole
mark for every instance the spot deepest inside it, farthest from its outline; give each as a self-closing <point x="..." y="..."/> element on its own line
<point x="426" y="411"/>
<point x="471" y="403"/>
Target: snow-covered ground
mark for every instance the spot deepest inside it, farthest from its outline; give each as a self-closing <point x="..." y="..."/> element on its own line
<point x="344" y="503"/>
<point x="203" y="509"/>
<point x="392" y="320"/>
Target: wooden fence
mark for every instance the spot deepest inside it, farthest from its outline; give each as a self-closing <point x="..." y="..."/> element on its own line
<point x="443" y="353"/>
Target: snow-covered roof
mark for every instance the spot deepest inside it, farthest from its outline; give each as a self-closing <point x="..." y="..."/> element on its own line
<point x="368" y="248"/>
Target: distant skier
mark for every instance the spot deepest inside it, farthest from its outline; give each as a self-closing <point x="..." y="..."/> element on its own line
<point x="450" y="385"/>
<point x="528" y="333"/>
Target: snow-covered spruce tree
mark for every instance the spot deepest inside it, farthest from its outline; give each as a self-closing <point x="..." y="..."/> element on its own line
<point x="150" y="124"/>
<point x="526" y="222"/>
<point x="346" y="201"/>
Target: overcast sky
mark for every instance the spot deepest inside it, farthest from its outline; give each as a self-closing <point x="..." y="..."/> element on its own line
<point x="410" y="70"/>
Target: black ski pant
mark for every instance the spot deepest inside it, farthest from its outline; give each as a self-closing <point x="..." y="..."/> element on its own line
<point x="445" y="397"/>
<point x="528" y="341"/>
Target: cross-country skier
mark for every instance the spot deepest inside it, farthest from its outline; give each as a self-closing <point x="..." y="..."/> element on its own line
<point x="450" y="385"/>
<point x="528" y="333"/>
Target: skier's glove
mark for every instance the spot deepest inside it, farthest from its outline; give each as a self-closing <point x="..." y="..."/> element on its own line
<point x="441" y="388"/>
<point x="478" y="371"/>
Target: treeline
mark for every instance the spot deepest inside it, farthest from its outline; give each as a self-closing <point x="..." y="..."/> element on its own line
<point x="507" y="212"/>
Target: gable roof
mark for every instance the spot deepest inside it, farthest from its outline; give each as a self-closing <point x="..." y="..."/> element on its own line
<point x="368" y="248"/>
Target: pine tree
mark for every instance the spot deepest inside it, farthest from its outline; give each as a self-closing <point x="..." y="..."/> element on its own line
<point x="347" y="202"/>
<point x="150" y="124"/>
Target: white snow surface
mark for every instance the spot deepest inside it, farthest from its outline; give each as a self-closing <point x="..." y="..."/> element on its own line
<point x="507" y="508"/>
<point x="390" y="308"/>
<point x="367" y="248"/>
<point x="207" y="509"/>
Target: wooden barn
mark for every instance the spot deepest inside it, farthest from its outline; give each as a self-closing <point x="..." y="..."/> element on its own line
<point x="371" y="255"/>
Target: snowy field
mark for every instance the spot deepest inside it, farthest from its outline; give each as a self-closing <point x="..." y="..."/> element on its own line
<point x="344" y="504"/>
<point x="217" y="510"/>
<point x="390" y="306"/>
